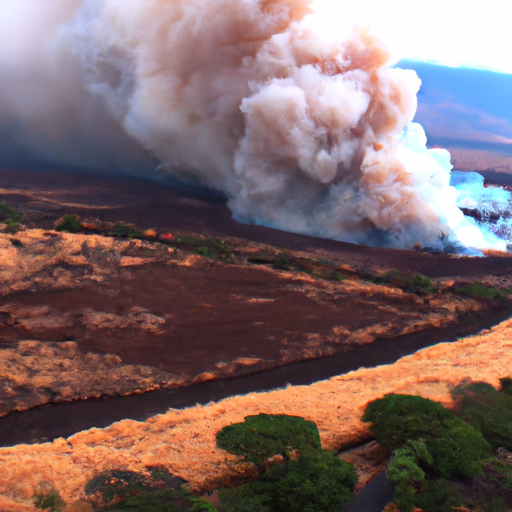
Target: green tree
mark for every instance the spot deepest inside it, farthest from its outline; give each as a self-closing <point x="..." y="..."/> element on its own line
<point x="487" y="410"/>
<point x="457" y="449"/>
<point x="405" y="472"/>
<point x="305" y="478"/>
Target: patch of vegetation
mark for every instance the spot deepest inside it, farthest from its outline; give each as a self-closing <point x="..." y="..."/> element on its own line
<point x="260" y="437"/>
<point x="438" y="495"/>
<point x="424" y="437"/>
<point x="204" y="251"/>
<point x="457" y="449"/>
<point x="124" y="230"/>
<point x="296" y="475"/>
<point x="49" y="501"/>
<point x="506" y="385"/>
<point x="493" y="491"/>
<point x="405" y="472"/>
<point x="16" y="242"/>
<point x="11" y="217"/>
<point x="482" y="291"/>
<point x="337" y="276"/>
<point x="419" y="283"/>
<point x="208" y="247"/>
<point x="487" y="410"/>
<point x="70" y="223"/>
<point x="154" y="491"/>
<point x="282" y="262"/>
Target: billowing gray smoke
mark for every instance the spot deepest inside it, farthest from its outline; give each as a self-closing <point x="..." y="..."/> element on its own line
<point x="241" y="96"/>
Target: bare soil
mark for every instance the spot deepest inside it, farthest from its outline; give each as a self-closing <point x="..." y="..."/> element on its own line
<point x="197" y="317"/>
<point x="49" y="195"/>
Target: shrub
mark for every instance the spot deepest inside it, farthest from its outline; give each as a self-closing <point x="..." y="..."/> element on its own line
<point x="506" y="385"/>
<point x="49" y="501"/>
<point x="308" y="479"/>
<point x="154" y="491"/>
<point x="422" y="284"/>
<point x="209" y="247"/>
<point x="11" y="217"/>
<point x="437" y="496"/>
<point x="253" y="497"/>
<point x="397" y="418"/>
<point x="337" y="276"/>
<point x="70" y="223"/>
<point x="457" y="449"/>
<point x="204" y="251"/>
<point x="419" y="284"/>
<point x="316" y="481"/>
<point x="7" y="211"/>
<point x="124" y="230"/>
<point x="405" y="473"/>
<point x="281" y="262"/>
<point x="482" y="291"/>
<point x="262" y="436"/>
<point x="487" y="410"/>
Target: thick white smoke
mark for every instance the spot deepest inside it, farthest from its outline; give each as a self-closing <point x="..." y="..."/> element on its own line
<point x="242" y="96"/>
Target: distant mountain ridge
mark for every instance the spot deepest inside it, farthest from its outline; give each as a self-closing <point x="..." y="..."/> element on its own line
<point x="464" y="107"/>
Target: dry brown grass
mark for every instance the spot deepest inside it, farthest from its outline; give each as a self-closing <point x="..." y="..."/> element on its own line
<point x="184" y="440"/>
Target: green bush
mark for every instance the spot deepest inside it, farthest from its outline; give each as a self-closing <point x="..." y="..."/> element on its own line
<point x="419" y="284"/>
<point x="281" y="262"/>
<point x="337" y="276"/>
<point x="255" y="496"/>
<point x="397" y="418"/>
<point x="11" y="217"/>
<point x="437" y="496"/>
<point x="154" y="491"/>
<point x="506" y="385"/>
<point x="49" y="501"/>
<point x="262" y="436"/>
<point x="123" y="230"/>
<point x="204" y="251"/>
<point x="482" y="291"/>
<point x="487" y="410"/>
<point x="70" y="223"/>
<point x="493" y="491"/>
<point x="209" y="247"/>
<point x="7" y="211"/>
<point x="457" y="449"/>
<point x="405" y="473"/>
<point x="422" y="284"/>
<point x="307" y="479"/>
<point x="412" y="488"/>
<point x="315" y="481"/>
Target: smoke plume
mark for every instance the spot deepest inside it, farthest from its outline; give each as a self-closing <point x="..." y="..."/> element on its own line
<point x="244" y="97"/>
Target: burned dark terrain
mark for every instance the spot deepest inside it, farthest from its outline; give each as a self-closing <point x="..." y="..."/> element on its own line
<point x="161" y="300"/>
<point x="190" y="295"/>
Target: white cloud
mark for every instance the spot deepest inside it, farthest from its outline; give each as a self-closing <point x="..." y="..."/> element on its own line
<point x="458" y="32"/>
